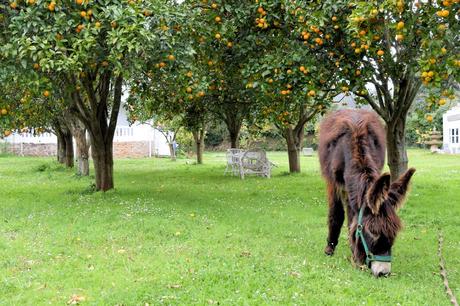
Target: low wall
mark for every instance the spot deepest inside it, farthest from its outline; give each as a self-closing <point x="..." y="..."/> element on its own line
<point x="136" y="149"/>
<point x="131" y="149"/>
<point x="32" y="149"/>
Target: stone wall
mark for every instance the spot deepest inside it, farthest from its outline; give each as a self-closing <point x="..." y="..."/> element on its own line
<point x="32" y="149"/>
<point x="120" y="149"/>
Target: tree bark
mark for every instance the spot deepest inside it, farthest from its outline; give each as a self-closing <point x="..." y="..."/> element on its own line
<point x="199" y="143"/>
<point x="69" y="154"/>
<point x="102" y="154"/>
<point x="294" y="138"/>
<point x="396" y="147"/>
<point x="65" y="153"/>
<point x="82" y="150"/>
<point x="235" y="138"/>
<point x="234" y="127"/>
<point x="172" y="152"/>
<point x="60" y="147"/>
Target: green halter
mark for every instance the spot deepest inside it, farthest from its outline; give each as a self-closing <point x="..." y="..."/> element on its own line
<point x="359" y="234"/>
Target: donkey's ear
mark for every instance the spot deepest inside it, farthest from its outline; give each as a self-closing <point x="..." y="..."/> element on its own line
<point x="378" y="192"/>
<point x="398" y="188"/>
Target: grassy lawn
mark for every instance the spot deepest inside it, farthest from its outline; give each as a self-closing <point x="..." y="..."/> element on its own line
<point x="176" y="233"/>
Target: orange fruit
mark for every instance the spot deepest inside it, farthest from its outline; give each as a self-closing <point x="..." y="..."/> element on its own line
<point x="218" y="19"/>
<point x="171" y="57"/>
<point x="46" y="93"/>
<point x="83" y="14"/>
<point x="380" y="52"/>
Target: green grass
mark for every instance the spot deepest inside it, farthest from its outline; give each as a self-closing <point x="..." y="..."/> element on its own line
<point x="176" y="233"/>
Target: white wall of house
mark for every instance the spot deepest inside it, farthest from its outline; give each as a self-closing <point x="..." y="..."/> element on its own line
<point x="451" y="130"/>
<point x="137" y="132"/>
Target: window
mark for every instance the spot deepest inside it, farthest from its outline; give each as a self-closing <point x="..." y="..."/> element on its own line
<point x="454" y="135"/>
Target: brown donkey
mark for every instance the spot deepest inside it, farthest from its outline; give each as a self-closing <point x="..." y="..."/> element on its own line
<point x="352" y="154"/>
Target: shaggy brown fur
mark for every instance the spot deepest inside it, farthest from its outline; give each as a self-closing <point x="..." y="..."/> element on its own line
<point x="352" y="154"/>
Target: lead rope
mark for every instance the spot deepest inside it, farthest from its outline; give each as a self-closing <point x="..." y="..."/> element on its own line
<point x="443" y="272"/>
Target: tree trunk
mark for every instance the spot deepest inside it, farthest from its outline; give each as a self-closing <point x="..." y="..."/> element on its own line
<point x="233" y="124"/>
<point x="64" y="145"/>
<point x="294" y="138"/>
<point x="103" y="164"/>
<point x="60" y="147"/>
<point x="69" y="155"/>
<point x="172" y="152"/>
<point x="396" y="147"/>
<point x="82" y="150"/>
<point x="235" y="139"/>
<point x="199" y="143"/>
<point x="100" y="119"/>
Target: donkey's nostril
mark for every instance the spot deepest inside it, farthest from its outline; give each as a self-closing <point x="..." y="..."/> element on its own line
<point x="380" y="268"/>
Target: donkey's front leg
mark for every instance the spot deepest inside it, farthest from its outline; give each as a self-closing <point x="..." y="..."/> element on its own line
<point x="335" y="220"/>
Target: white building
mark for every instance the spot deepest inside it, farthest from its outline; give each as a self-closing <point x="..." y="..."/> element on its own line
<point x="451" y="130"/>
<point x="137" y="140"/>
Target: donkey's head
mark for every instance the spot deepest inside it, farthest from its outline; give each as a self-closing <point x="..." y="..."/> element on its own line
<point x="378" y="223"/>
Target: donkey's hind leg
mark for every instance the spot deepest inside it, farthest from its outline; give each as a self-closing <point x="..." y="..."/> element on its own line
<point x="335" y="219"/>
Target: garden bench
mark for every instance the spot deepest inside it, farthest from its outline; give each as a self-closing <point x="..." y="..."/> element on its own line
<point x="307" y="151"/>
<point x="233" y="161"/>
<point x="255" y="162"/>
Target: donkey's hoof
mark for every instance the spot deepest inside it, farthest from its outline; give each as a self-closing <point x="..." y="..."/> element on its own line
<point x="329" y="250"/>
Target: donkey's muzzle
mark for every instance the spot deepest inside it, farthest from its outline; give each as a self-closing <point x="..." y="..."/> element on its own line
<point x="380" y="268"/>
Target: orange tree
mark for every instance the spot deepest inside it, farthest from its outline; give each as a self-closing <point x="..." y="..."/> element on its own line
<point x="168" y="91"/>
<point x="93" y="47"/>
<point x="219" y="32"/>
<point x="169" y="87"/>
<point x="29" y="107"/>
<point x="384" y="51"/>
<point x="25" y="102"/>
<point x="198" y="76"/>
<point x="288" y="73"/>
